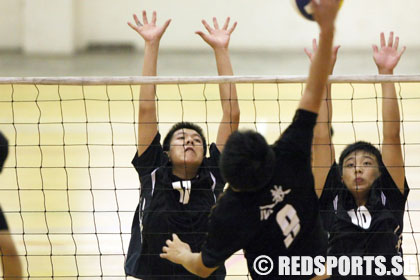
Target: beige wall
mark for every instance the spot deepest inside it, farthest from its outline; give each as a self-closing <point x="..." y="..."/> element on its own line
<point x="62" y="26"/>
<point x="11" y="12"/>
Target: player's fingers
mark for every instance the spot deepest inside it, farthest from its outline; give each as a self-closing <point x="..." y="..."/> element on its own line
<point x="174" y="237"/>
<point x="206" y="25"/>
<point x="375" y="48"/>
<point x="402" y="50"/>
<point x="315" y="3"/>
<point x="225" y="26"/>
<point x="308" y="52"/>
<point x="391" y="39"/>
<point x="134" y="27"/>
<point x="215" y="23"/>
<point x="136" y="19"/>
<point x="314" y="45"/>
<point x="166" y="24"/>
<point x="145" y="21"/>
<point x="201" y="34"/>
<point x="204" y="36"/>
<point x="382" y="40"/>
<point x="163" y="256"/>
<point x="233" y="27"/>
<point x="165" y="249"/>
<point x="154" y="17"/>
<point x="335" y="49"/>
<point x="397" y="42"/>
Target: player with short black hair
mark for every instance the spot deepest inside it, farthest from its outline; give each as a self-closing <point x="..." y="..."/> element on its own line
<point x="249" y="152"/>
<point x="363" y="198"/>
<point x="183" y="125"/>
<point x="179" y="185"/>
<point x="12" y="267"/>
<point x="276" y="215"/>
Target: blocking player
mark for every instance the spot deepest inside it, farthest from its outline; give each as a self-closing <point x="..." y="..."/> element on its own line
<point x="363" y="197"/>
<point x="179" y="184"/>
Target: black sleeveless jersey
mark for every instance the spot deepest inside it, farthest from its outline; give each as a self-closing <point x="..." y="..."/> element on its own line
<point x="374" y="229"/>
<point x="170" y="205"/>
<point x="282" y="219"/>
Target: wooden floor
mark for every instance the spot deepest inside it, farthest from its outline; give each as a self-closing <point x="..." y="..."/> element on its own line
<point x="68" y="189"/>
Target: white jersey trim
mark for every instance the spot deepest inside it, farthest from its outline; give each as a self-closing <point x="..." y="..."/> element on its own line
<point x="214" y="185"/>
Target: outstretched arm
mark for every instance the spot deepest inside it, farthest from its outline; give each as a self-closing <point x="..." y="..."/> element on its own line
<point x="325" y="12"/>
<point x="323" y="153"/>
<point x="386" y="58"/>
<point x="151" y="34"/>
<point x="218" y="39"/>
<point x="179" y="252"/>
<point x="11" y="262"/>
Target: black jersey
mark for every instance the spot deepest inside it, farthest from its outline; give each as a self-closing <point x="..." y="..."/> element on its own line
<point x="282" y="219"/>
<point x="3" y="223"/>
<point x="370" y="230"/>
<point x="170" y="205"/>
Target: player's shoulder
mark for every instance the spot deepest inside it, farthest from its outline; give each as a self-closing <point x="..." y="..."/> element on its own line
<point x="157" y="178"/>
<point x="387" y="181"/>
<point x="333" y="180"/>
<point x="389" y="190"/>
<point x="229" y="198"/>
<point x="234" y="206"/>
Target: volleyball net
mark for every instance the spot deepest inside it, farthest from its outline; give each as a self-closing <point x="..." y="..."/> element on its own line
<point x="68" y="189"/>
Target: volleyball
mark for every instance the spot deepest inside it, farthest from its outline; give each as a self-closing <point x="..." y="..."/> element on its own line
<point x="304" y="8"/>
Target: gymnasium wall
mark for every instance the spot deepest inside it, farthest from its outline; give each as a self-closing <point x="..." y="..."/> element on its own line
<point x="65" y="26"/>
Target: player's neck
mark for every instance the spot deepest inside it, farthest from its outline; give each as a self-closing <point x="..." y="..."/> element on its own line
<point x="185" y="172"/>
<point x="360" y="198"/>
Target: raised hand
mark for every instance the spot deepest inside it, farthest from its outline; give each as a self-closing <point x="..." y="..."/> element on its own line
<point x="325" y="12"/>
<point x="310" y="53"/>
<point x="388" y="56"/>
<point x="217" y="38"/>
<point x="149" y="31"/>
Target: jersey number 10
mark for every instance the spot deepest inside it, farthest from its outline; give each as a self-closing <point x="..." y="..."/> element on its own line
<point x="289" y="223"/>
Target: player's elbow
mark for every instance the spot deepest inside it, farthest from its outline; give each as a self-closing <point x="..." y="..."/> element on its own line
<point x="235" y="117"/>
<point x="204" y="272"/>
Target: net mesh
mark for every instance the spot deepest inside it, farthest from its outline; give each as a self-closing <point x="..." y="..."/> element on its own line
<point x="68" y="189"/>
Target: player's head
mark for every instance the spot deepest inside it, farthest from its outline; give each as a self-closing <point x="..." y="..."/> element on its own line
<point x="247" y="162"/>
<point x="360" y="165"/>
<point x="185" y="143"/>
<point x="4" y="150"/>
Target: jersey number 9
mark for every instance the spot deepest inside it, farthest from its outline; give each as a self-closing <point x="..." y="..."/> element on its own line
<point x="289" y="223"/>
